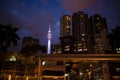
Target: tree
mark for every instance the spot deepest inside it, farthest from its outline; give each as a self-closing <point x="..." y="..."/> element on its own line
<point x="8" y="36"/>
<point x="31" y="46"/>
<point x="114" y="37"/>
<point x="26" y="64"/>
<point x="43" y="49"/>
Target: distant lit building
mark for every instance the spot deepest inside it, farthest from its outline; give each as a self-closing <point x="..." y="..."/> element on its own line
<point x="66" y="39"/>
<point x="80" y="32"/>
<point x="118" y="50"/>
<point x="29" y="44"/>
<point x="67" y="45"/>
<point x="99" y="34"/>
<point x="65" y="25"/>
<point x="56" y="49"/>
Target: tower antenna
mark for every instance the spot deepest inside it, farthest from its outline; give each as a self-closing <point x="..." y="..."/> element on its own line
<point x="49" y="40"/>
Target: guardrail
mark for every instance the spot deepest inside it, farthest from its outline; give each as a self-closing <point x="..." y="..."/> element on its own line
<point x="99" y="57"/>
<point x="9" y="77"/>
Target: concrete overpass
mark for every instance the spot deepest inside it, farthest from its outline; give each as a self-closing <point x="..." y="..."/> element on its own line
<point x="77" y="57"/>
<point x="103" y="58"/>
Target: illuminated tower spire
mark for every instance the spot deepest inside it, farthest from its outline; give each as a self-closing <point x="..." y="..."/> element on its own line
<point x="49" y="40"/>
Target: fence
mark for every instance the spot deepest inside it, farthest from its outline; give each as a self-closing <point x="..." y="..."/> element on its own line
<point x="9" y="77"/>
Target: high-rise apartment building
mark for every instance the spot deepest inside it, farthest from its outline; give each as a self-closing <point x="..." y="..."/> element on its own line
<point x="65" y="25"/>
<point x="80" y="32"/>
<point x="99" y="34"/>
<point x="66" y="39"/>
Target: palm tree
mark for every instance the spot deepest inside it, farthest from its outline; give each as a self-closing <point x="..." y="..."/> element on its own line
<point x="8" y="36"/>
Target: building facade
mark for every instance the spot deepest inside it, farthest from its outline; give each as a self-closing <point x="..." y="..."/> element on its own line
<point x="65" y="25"/>
<point x="56" y="49"/>
<point x="99" y="34"/>
<point x="66" y="39"/>
<point x="80" y="66"/>
<point x="80" y="32"/>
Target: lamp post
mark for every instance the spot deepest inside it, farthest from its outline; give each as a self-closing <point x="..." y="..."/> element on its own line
<point x="39" y="69"/>
<point x="12" y="58"/>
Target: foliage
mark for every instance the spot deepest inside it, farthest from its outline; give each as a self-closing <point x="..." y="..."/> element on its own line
<point x="8" y="36"/>
<point x="31" y="46"/>
<point x="28" y="63"/>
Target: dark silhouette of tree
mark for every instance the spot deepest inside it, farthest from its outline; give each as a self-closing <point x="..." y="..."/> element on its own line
<point x="31" y="46"/>
<point x="8" y="36"/>
<point x="114" y="37"/>
<point x="43" y="49"/>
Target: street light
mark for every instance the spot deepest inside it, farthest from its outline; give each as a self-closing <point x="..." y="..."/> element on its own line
<point x="66" y="76"/>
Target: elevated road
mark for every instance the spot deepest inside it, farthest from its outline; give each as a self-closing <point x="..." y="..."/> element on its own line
<point x="77" y="57"/>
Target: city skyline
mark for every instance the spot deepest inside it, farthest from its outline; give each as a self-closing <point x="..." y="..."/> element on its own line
<point x="34" y="17"/>
<point x="81" y="34"/>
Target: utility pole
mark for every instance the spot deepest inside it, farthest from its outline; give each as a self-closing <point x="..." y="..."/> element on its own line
<point x="39" y="69"/>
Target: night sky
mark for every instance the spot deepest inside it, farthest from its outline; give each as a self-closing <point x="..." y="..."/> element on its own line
<point x="33" y="17"/>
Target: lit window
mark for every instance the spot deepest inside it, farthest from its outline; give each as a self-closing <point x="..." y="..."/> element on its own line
<point x="83" y="39"/>
<point x="84" y="46"/>
<point x="98" y="18"/>
<point x="85" y="49"/>
<point x="74" y="44"/>
<point x="84" y="43"/>
<point x="118" y="51"/>
<point x="118" y="69"/>
<point x="81" y="73"/>
<point x="74" y="50"/>
<point x="67" y="64"/>
<point x="78" y="44"/>
<point x="67" y="48"/>
<point x="68" y="18"/>
<point x="98" y="24"/>
<point x="83" y="34"/>
<point x="68" y="27"/>
<point x="81" y="15"/>
<point x="79" y="49"/>
<point x="101" y="48"/>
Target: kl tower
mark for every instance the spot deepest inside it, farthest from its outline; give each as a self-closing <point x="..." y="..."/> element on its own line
<point x="49" y="40"/>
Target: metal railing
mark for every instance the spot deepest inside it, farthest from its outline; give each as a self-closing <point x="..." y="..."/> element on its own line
<point x="9" y="77"/>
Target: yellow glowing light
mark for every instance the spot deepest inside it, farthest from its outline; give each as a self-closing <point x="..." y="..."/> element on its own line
<point x="9" y="77"/>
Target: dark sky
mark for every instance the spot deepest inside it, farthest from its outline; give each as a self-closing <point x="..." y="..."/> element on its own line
<point x="33" y="17"/>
